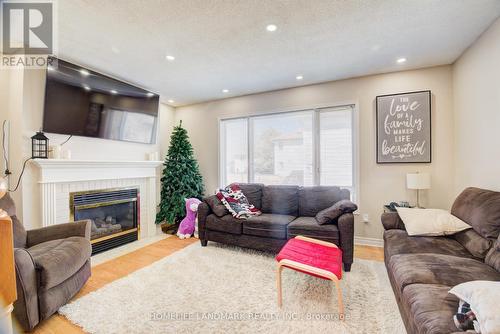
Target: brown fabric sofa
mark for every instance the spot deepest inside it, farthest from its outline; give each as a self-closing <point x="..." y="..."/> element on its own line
<point x="287" y="211"/>
<point x="423" y="269"/>
<point x="52" y="265"/>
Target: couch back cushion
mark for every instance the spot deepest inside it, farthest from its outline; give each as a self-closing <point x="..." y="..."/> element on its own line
<point x="493" y="256"/>
<point x="253" y="192"/>
<point x="473" y="242"/>
<point x="283" y="200"/>
<point x="216" y="205"/>
<point x="314" y="199"/>
<point x="479" y="208"/>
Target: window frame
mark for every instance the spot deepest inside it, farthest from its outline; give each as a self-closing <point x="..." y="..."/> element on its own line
<point x="316" y="110"/>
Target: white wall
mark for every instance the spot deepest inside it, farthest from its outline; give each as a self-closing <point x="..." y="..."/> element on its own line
<point x="378" y="184"/>
<point x="476" y="91"/>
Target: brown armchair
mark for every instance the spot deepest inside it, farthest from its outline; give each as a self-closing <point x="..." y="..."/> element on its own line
<point x="52" y="265"/>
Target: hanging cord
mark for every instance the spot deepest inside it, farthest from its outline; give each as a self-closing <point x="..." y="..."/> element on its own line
<point x="67" y="140"/>
<point x="7" y="171"/>
<point x="20" y="175"/>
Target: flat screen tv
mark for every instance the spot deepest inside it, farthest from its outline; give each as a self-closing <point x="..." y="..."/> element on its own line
<point x="81" y="102"/>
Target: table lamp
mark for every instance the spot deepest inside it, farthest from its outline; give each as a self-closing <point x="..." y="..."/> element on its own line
<point x="418" y="181"/>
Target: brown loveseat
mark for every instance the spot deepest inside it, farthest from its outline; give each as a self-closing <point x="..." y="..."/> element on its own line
<point x="52" y="264"/>
<point x="423" y="269"/>
<point x="287" y="211"/>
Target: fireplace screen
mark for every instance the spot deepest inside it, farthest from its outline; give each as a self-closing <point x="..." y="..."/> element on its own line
<point x="113" y="213"/>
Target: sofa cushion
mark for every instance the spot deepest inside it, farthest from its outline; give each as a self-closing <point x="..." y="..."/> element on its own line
<point x="267" y="225"/>
<point x="227" y="224"/>
<point x="474" y="243"/>
<point x="49" y="301"/>
<point x="282" y="200"/>
<point x="479" y="208"/>
<point x="253" y="192"/>
<point x="438" y="269"/>
<point x="493" y="257"/>
<point x="431" y="307"/>
<point x="330" y="214"/>
<point x="216" y="206"/>
<point x="57" y="260"/>
<point x="309" y="227"/>
<point x="314" y="199"/>
<point x="399" y="242"/>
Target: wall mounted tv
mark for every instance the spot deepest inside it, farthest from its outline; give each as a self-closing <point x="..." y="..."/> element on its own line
<point x="81" y="102"/>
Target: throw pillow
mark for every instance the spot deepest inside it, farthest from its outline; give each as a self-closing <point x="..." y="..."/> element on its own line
<point x="328" y="215"/>
<point x="430" y="222"/>
<point x="474" y="242"/>
<point x="216" y="205"/>
<point x="483" y="297"/>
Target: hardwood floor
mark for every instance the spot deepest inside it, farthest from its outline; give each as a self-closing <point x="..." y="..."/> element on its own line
<point x="107" y="272"/>
<point x="369" y="253"/>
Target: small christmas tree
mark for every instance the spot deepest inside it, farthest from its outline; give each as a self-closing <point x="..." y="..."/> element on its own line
<point x="181" y="178"/>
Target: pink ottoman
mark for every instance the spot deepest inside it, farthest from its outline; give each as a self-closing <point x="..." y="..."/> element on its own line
<point x="313" y="257"/>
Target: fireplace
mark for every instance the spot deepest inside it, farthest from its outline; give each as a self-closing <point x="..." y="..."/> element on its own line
<point x="114" y="215"/>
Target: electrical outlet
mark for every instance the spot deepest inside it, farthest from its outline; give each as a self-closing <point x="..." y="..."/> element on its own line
<point x="366" y="218"/>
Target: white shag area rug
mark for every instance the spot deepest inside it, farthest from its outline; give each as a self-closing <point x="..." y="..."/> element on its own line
<point x="220" y="289"/>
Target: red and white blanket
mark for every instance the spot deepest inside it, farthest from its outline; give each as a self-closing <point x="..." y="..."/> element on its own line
<point x="236" y="202"/>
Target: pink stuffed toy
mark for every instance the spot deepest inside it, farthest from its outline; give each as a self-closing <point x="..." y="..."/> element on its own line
<point x="187" y="226"/>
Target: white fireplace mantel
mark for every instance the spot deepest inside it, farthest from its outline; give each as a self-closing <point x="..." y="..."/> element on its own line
<point x="60" y="170"/>
<point x="57" y="178"/>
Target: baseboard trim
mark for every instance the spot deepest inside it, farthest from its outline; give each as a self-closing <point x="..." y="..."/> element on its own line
<point x="368" y="242"/>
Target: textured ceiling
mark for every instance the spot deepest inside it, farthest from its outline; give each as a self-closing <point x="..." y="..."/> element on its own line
<point x="223" y="44"/>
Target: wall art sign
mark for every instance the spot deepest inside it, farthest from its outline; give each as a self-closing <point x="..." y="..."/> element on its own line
<point x="404" y="127"/>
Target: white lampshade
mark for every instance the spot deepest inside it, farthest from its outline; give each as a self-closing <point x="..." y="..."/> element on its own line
<point x="418" y="181"/>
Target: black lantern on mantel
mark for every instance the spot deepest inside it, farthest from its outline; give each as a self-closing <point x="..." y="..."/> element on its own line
<point x="39" y="146"/>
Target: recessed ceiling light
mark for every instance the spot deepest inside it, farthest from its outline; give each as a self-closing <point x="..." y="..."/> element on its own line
<point x="401" y="60"/>
<point x="113" y="91"/>
<point x="171" y="101"/>
<point x="84" y="72"/>
<point x="299" y="77"/>
<point x="87" y="88"/>
<point x="225" y="90"/>
<point x="271" y="27"/>
<point x="170" y="58"/>
<point x="149" y="94"/>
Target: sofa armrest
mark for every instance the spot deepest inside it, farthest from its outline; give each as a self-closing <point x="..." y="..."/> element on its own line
<point x="26" y="305"/>
<point x="203" y="212"/>
<point x="392" y="221"/>
<point x="60" y="231"/>
<point x="346" y="230"/>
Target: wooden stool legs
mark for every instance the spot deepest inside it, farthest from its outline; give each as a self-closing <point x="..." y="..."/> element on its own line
<point x="308" y="269"/>
<point x="339" y="299"/>
<point x="278" y="281"/>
